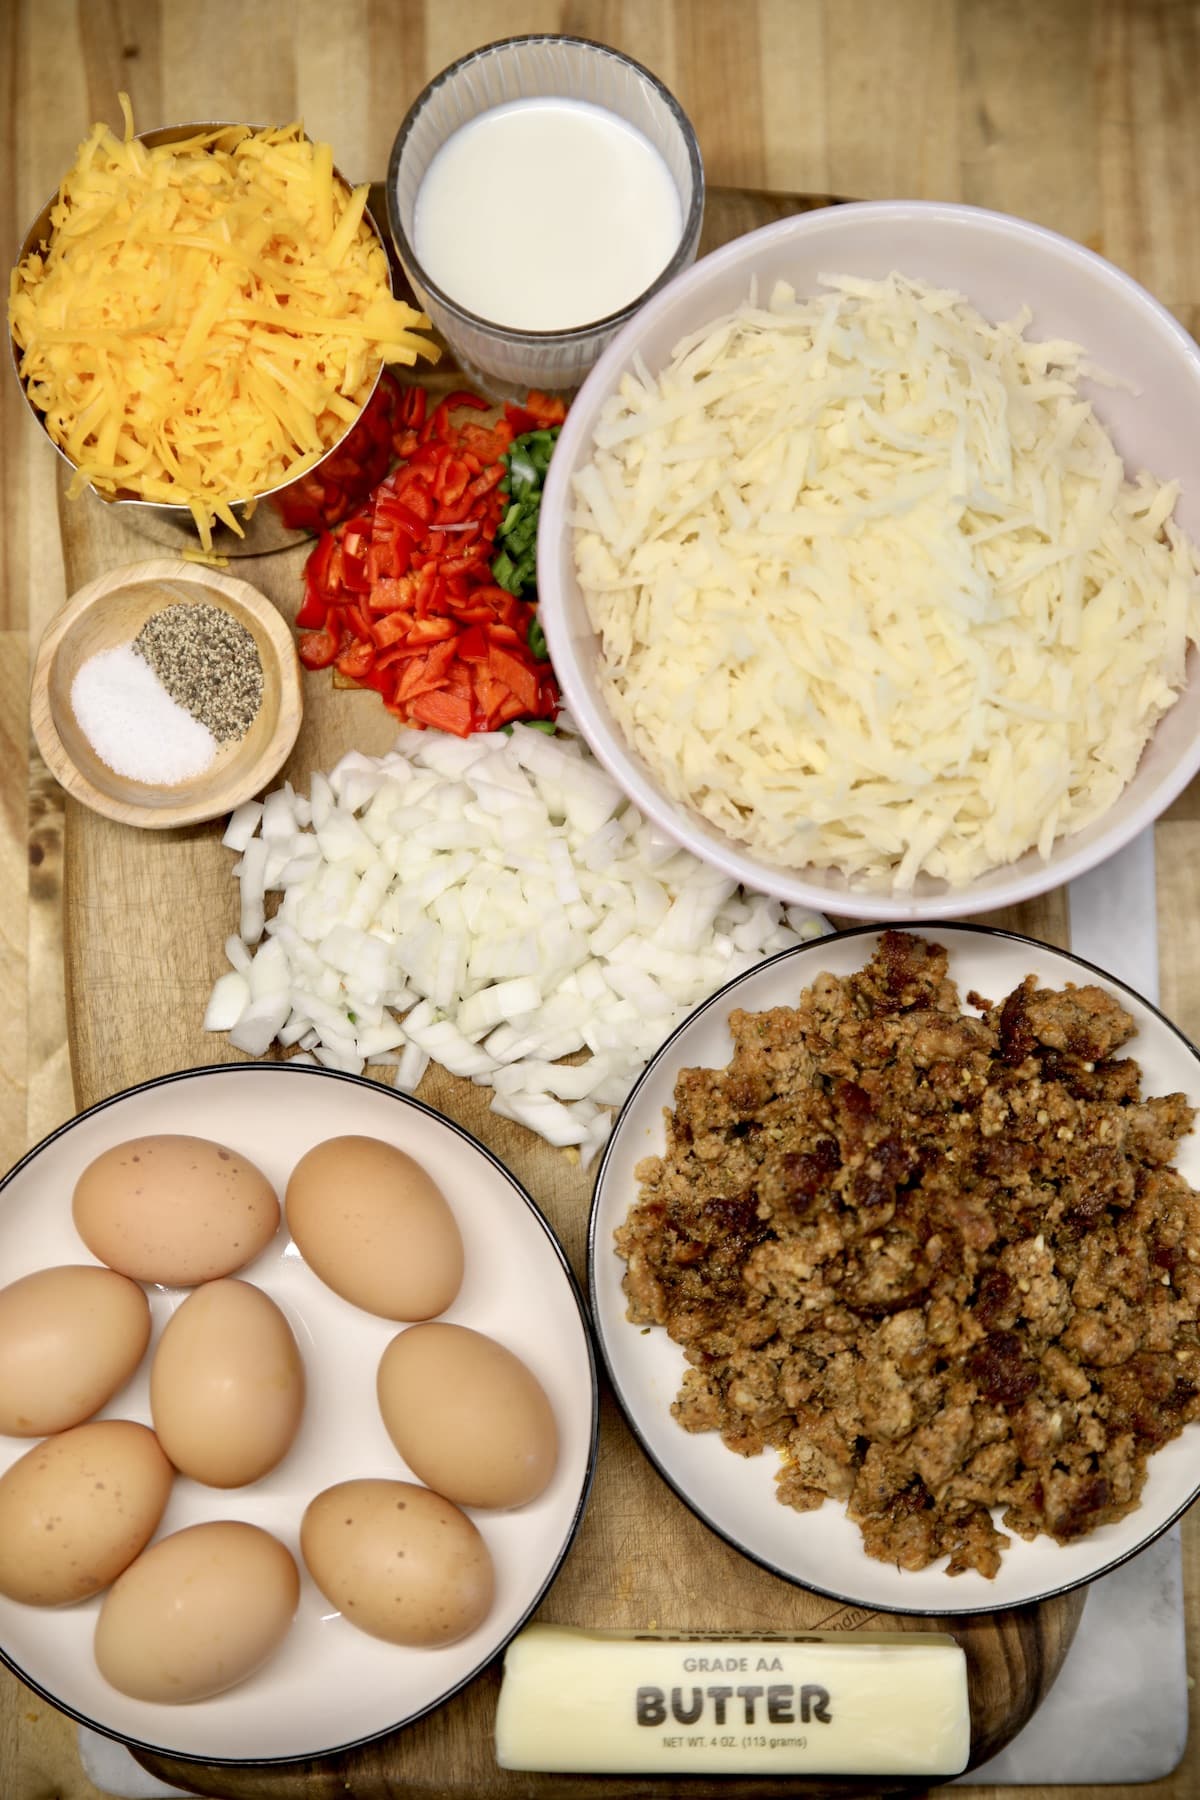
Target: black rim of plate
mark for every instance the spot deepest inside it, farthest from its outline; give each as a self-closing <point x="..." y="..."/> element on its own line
<point x="301" y="1071"/>
<point x="922" y="928"/>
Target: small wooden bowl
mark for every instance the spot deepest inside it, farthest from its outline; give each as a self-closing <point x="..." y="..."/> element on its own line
<point x="111" y="611"/>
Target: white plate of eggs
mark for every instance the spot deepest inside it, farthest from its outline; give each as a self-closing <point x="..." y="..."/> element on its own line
<point x="298" y="1412"/>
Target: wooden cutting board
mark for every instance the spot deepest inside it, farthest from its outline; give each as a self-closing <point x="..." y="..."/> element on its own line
<point x="146" y="916"/>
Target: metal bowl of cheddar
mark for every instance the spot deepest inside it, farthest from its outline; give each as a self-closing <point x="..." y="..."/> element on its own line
<point x="237" y="378"/>
<point x="867" y="560"/>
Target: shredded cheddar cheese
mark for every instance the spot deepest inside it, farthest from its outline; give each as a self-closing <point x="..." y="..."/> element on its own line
<point x="207" y="317"/>
<point x="873" y="589"/>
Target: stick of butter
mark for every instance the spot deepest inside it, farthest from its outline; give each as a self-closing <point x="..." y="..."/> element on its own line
<point x="644" y="1703"/>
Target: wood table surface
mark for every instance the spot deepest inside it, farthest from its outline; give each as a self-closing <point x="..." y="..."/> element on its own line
<point x="1082" y="116"/>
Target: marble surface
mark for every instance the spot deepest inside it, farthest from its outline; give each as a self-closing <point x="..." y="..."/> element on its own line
<point x="110" y="1767"/>
<point x="1119" y="1709"/>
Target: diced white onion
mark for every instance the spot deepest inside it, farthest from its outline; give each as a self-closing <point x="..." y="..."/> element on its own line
<point x="242" y="825"/>
<point x="493" y="905"/>
<point x="227" y="1002"/>
<point x="412" y="1065"/>
<point x="236" y="953"/>
<point x="259" y="1023"/>
<point x="253" y="873"/>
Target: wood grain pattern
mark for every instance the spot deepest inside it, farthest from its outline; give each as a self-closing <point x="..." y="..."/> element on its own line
<point x="641" y="1558"/>
<point x="1081" y="114"/>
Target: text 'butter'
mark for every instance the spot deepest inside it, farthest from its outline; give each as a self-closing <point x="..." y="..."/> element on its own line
<point x="831" y="1704"/>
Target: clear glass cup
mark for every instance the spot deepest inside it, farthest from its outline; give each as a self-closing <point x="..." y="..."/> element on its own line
<point x="502" y="360"/>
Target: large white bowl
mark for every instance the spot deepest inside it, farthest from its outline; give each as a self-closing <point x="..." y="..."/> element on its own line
<point x="1001" y="264"/>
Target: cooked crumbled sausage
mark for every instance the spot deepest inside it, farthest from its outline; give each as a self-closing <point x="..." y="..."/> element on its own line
<point x="941" y="1263"/>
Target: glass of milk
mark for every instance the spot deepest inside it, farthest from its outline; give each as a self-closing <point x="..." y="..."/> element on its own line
<point x="539" y="191"/>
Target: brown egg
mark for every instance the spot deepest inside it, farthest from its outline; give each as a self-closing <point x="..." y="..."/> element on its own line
<point x="197" y="1612"/>
<point x="399" y="1562"/>
<point x="176" y="1210"/>
<point x="375" y="1227"/>
<point x="69" y="1338"/>
<point x="467" y="1416"/>
<point x="77" y="1508"/>
<point x="227" y="1385"/>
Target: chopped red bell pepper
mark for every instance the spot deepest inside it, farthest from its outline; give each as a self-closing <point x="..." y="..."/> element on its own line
<point x="446" y="709"/>
<point x="317" y="649"/>
<point x="313" y="611"/>
<point x="356" y="661"/>
<point x="538" y="412"/>
<point x="402" y="599"/>
<point x="338" y="485"/>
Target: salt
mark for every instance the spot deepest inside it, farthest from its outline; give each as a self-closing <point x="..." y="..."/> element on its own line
<point x="133" y="724"/>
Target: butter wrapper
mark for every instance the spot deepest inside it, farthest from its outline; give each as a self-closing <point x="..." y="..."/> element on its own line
<point x="653" y="1703"/>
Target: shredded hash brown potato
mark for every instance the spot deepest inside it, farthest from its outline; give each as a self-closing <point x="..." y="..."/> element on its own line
<point x="207" y="318"/>
<point x="872" y="589"/>
<point x="941" y="1262"/>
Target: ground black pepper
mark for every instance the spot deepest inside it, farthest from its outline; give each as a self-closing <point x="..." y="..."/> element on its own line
<point x="208" y="662"/>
